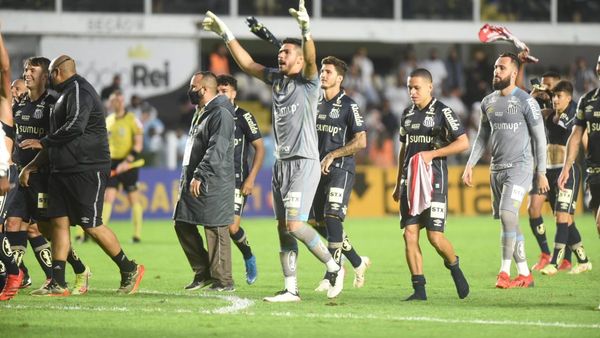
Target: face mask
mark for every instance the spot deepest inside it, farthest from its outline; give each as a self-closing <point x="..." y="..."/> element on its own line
<point x="194" y="96"/>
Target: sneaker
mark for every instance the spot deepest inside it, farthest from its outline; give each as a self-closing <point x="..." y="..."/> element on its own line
<point x="503" y="281"/>
<point x="549" y="270"/>
<point x="416" y="296"/>
<point x="130" y="281"/>
<point x="82" y="282"/>
<point x="52" y="289"/>
<point x="336" y="279"/>
<point x="522" y="282"/>
<point x="359" y="272"/>
<point x="251" y="272"/>
<point x="198" y="283"/>
<point x="26" y="281"/>
<point x="565" y="265"/>
<point x="542" y="262"/>
<point x="218" y="287"/>
<point x="581" y="267"/>
<point x="12" y="286"/>
<point x="283" y="296"/>
<point x="323" y="286"/>
<point x="135" y="240"/>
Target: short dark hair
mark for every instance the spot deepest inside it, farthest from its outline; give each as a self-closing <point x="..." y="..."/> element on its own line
<point x="421" y="72"/>
<point x="227" y="80"/>
<point x="513" y="58"/>
<point x="340" y="66"/>
<point x="208" y="78"/>
<point x="563" y="86"/>
<point x="552" y="74"/>
<point x="293" y="41"/>
<point x="37" y="61"/>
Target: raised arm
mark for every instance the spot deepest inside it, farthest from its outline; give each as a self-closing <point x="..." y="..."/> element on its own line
<point x="308" y="45"/>
<point x="214" y="24"/>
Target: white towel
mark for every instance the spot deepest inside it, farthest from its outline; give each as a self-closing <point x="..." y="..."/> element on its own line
<point x="420" y="185"/>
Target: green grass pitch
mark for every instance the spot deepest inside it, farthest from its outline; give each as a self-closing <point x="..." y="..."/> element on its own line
<point x="558" y="306"/>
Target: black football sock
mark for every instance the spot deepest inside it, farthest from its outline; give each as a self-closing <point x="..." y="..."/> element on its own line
<point x="75" y="262"/>
<point x="58" y="272"/>
<point x="41" y="249"/>
<point x="125" y="265"/>
<point x="418" y="284"/>
<point x="240" y="240"/>
<point x="539" y="231"/>
<point x="560" y="241"/>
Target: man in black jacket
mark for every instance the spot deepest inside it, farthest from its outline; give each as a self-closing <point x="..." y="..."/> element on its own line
<point x="77" y="151"/>
<point x="207" y="186"/>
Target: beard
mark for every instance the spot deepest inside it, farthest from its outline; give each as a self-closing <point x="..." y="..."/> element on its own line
<point x="501" y="84"/>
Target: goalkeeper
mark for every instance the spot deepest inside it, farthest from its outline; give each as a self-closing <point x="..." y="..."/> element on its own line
<point x="125" y="139"/>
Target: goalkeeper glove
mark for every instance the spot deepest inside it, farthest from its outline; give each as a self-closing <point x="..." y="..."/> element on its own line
<point x="212" y="23"/>
<point x="301" y="15"/>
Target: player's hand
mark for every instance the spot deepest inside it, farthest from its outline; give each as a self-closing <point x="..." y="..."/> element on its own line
<point x="563" y="177"/>
<point x="301" y="15"/>
<point x="467" y="176"/>
<point x="396" y="193"/>
<point x="212" y="23"/>
<point x="325" y="163"/>
<point x="543" y="185"/>
<point x="4" y="185"/>
<point x="24" y="175"/>
<point x="195" y="187"/>
<point x="247" y="187"/>
<point x="427" y="156"/>
<point x="122" y="167"/>
<point x="31" y="144"/>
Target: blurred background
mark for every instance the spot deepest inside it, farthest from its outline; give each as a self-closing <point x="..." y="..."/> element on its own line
<point x="150" y="48"/>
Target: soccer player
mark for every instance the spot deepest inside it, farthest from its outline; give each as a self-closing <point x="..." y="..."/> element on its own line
<point x="587" y="120"/>
<point x="28" y="209"/>
<point x="207" y="186"/>
<point x="559" y="123"/>
<point x="342" y="133"/>
<point x="246" y="134"/>
<point x="295" y="91"/>
<point x="8" y="263"/>
<point x="429" y="131"/>
<point x="511" y="118"/>
<point x="125" y="141"/>
<point x="76" y="149"/>
<point x="543" y="94"/>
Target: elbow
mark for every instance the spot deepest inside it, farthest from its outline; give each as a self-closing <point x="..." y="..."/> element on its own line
<point x="362" y="141"/>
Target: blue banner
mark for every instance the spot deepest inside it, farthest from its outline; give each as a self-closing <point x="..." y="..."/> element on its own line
<point x="159" y="190"/>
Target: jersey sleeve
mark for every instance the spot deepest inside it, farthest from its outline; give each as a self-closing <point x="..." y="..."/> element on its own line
<point x="136" y="126"/>
<point x="355" y="119"/>
<point x="580" y="114"/>
<point x="249" y="127"/>
<point x="402" y="131"/>
<point x="482" y="138"/>
<point x="533" y="117"/>
<point x="453" y="124"/>
<point x="270" y="75"/>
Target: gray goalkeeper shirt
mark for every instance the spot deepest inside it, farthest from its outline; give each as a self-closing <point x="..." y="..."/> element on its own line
<point x="294" y="114"/>
<point x="512" y="122"/>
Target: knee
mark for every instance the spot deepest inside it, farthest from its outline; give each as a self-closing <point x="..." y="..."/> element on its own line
<point x="33" y="231"/>
<point x="411" y="235"/>
<point x="435" y="238"/>
<point x="563" y="217"/>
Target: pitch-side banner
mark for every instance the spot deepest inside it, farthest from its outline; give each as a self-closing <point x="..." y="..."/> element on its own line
<point x="147" y="67"/>
<point x="371" y="195"/>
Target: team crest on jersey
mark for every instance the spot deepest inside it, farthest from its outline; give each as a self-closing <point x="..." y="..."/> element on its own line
<point x="38" y="113"/>
<point x="513" y="105"/>
<point x="407" y="123"/>
<point x="428" y="122"/>
<point x="334" y="113"/>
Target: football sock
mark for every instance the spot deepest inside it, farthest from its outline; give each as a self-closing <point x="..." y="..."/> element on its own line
<point x="575" y="243"/>
<point x="106" y="212"/>
<point x="75" y="262"/>
<point x="418" y="284"/>
<point x="311" y="239"/>
<point x="560" y="242"/>
<point x="58" y="272"/>
<point x="539" y="231"/>
<point x="240" y="240"/>
<point x="6" y="256"/>
<point x="41" y="249"/>
<point x="18" y="244"/>
<point x="137" y="216"/>
<point x="350" y="253"/>
<point x="288" y="257"/>
<point x="125" y="265"/>
<point x="335" y="249"/>
<point x="462" y="286"/>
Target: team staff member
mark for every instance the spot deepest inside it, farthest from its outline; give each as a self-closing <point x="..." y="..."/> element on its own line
<point x="431" y="130"/>
<point x="512" y="119"/>
<point x="341" y="133"/>
<point x="246" y="135"/>
<point x="295" y="90"/>
<point x="77" y="150"/>
<point x="125" y="141"/>
<point x="28" y="208"/>
<point x="207" y="186"/>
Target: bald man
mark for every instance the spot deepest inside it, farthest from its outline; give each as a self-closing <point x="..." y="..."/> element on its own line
<point x="76" y="149"/>
<point x="17" y="90"/>
<point x="207" y="186"/>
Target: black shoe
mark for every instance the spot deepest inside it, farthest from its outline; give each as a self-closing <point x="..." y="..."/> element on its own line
<point x="198" y="283"/>
<point x="136" y="240"/>
<point x="416" y="296"/>
<point x="462" y="286"/>
<point x="218" y="287"/>
<point x="26" y="281"/>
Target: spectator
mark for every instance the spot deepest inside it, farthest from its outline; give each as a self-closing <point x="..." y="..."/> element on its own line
<point x="437" y="68"/>
<point x="218" y="63"/>
<point x="115" y="85"/>
<point x="455" y="71"/>
<point x="363" y="67"/>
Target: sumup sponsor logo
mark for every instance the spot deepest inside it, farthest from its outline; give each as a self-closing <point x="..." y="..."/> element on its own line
<point x="505" y="126"/>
